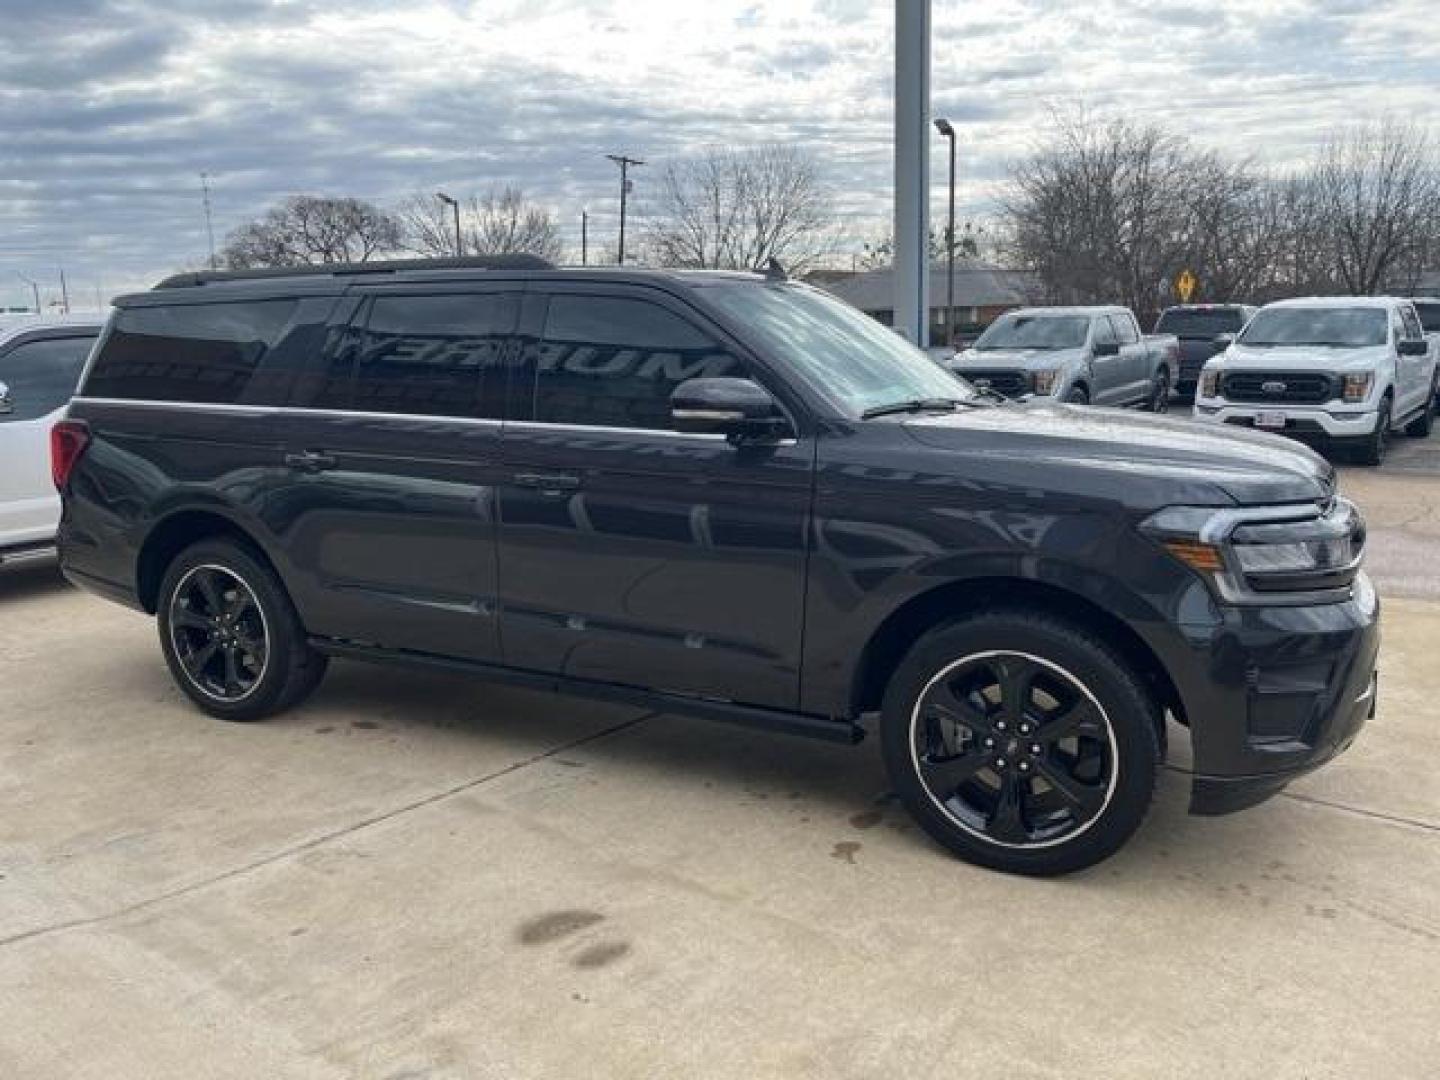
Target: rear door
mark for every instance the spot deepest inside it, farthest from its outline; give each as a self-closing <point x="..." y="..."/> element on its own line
<point x="631" y="553"/>
<point x="392" y="451"/>
<point x="40" y="370"/>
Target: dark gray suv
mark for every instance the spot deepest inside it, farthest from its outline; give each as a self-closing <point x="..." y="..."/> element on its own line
<point x="723" y="494"/>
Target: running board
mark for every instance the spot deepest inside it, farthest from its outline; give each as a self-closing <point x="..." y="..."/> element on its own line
<point x="778" y="720"/>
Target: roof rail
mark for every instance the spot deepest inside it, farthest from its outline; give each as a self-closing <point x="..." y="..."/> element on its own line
<point x="388" y="266"/>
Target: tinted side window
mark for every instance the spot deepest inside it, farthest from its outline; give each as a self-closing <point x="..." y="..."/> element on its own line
<point x="614" y="362"/>
<point x="205" y="353"/>
<point x="42" y="375"/>
<point x="426" y="355"/>
<point x="1105" y="332"/>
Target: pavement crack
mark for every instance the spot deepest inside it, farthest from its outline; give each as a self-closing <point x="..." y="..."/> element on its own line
<point x="324" y="838"/>
<point x="1394" y="819"/>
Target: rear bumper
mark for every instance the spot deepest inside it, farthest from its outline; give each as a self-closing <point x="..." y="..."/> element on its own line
<point x="1301" y="421"/>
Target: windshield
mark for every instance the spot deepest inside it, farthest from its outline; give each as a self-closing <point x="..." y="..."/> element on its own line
<point x="1342" y="327"/>
<point x="1035" y="332"/>
<point x="1194" y="323"/>
<point x="843" y="354"/>
<point x="1429" y="312"/>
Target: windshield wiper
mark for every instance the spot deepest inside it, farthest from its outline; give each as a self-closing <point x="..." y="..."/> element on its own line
<point x="912" y="405"/>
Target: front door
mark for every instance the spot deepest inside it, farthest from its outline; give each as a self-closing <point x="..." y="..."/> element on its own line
<point x="393" y="450"/>
<point x="1108" y="370"/>
<point x="631" y="553"/>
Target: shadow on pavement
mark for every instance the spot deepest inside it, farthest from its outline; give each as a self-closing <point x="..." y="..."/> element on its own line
<point x="32" y="578"/>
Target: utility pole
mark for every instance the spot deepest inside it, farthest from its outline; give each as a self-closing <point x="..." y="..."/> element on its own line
<point x="584" y="237"/>
<point x="947" y="129"/>
<point x="64" y="292"/>
<point x="624" y="163"/>
<point x="454" y="205"/>
<point x="912" y="173"/>
<point x="209" y="216"/>
<point x="34" y="289"/>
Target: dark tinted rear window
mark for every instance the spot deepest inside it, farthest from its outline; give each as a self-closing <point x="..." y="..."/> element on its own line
<point x="207" y="353"/>
<point x="1429" y="313"/>
<point x="1200" y="324"/>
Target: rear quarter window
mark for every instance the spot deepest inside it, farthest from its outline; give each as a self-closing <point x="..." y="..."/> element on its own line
<point x="203" y="353"/>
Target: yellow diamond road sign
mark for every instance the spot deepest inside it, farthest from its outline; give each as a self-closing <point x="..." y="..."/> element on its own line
<point x="1185" y="285"/>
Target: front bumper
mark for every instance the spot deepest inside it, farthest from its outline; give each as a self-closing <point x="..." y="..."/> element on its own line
<point x="1301" y="421"/>
<point x="1272" y="693"/>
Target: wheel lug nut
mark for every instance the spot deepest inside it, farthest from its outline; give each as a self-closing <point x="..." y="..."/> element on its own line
<point x="1000" y="763"/>
<point x="1036" y="748"/>
<point x="1024" y="766"/>
<point x="989" y="742"/>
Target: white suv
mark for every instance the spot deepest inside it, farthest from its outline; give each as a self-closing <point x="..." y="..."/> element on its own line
<point x="1337" y="370"/>
<point x="40" y="363"/>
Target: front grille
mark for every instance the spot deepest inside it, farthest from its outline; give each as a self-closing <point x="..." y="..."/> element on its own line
<point x="1294" y="387"/>
<point x="1010" y="383"/>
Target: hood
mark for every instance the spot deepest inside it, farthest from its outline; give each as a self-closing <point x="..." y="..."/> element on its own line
<point x="1305" y="358"/>
<point x="1161" y="460"/>
<point x="1014" y="359"/>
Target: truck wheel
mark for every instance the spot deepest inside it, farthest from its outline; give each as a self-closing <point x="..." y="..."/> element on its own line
<point x="1423" y="424"/>
<point x="1374" y="445"/>
<point x="1078" y="396"/>
<point x="1021" y="743"/>
<point x="230" y="635"/>
<point x="1160" y="392"/>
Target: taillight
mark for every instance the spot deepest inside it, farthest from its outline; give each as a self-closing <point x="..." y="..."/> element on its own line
<point x="69" y="439"/>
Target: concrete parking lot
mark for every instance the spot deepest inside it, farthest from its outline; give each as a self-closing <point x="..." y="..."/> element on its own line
<point x="419" y="876"/>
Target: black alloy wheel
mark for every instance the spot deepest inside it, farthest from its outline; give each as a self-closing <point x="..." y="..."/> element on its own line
<point x="218" y="633"/>
<point x="1014" y="749"/>
<point x="1375" y="445"/>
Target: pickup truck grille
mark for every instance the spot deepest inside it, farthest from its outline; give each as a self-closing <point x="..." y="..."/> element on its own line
<point x="1302" y="387"/>
<point x="1009" y="383"/>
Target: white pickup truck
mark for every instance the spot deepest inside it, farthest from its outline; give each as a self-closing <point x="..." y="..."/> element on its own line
<point x="1338" y="371"/>
<point x="1083" y="355"/>
<point x="40" y="362"/>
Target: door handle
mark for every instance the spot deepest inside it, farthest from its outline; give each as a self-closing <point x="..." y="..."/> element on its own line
<point x="310" y="461"/>
<point x="548" y="483"/>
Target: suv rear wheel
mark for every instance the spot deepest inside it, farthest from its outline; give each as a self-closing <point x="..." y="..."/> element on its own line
<point x="1423" y="424"/>
<point x="230" y="635"/>
<point x="1021" y="743"/>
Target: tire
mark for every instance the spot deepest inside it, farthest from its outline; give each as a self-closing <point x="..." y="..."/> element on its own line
<point x="1423" y="424"/>
<point x="223" y="615"/>
<point x="1372" y="448"/>
<point x="1160" y="392"/>
<point x="1078" y="395"/>
<point x="1105" y="769"/>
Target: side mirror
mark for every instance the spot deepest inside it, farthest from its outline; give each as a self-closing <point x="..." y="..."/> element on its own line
<point x="739" y="408"/>
<point x="7" y="404"/>
<point x="1107" y="348"/>
<point x="1412" y="347"/>
<point x="1224" y="341"/>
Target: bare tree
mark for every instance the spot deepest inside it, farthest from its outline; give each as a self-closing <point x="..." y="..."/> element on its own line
<point x="307" y="230"/>
<point x="737" y="209"/>
<point x="500" y="222"/>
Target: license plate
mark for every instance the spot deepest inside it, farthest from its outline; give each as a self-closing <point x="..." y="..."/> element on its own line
<point x="1272" y="420"/>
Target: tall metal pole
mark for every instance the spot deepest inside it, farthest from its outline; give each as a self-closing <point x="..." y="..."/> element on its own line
<point x="64" y="292"/>
<point x="454" y="205"/>
<point x="624" y="163"/>
<point x="584" y="237"/>
<point x="912" y="173"/>
<point x="947" y="129"/>
<point x="209" y="216"/>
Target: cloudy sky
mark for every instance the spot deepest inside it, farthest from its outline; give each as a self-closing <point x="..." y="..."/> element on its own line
<point x="110" y="109"/>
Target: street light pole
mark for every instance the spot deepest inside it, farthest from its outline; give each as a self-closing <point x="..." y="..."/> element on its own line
<point x="64" y="292"/>
<point x="454" y="205"/>
<point x="947" y="129"/>
<point x="624" y="163"/>
<point x="584" y="237"/>
<point x="209" y="216"/>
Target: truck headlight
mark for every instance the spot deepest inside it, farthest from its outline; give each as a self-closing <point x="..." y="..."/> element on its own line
<point x="1267" y="554"/>
<point x="1210" y="382"/>
<point x="1043" y="382"/>
<point x="1357" y="387"/>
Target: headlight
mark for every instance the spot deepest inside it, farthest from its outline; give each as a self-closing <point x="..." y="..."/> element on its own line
<point x="1043" y="382"/>
<point x="1267" y="554"/>
<point x="1210" y="382"/>
<point x="1357" y="387"/>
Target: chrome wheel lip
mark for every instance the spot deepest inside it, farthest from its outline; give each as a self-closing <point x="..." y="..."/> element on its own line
<point x="175" y="645"/>
<point x="984" y="837"/>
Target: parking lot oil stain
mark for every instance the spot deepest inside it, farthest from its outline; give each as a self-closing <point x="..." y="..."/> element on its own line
<point x="845" y="851"/>
<point x="325" y="730"/>
<point x="598" y="956"/>
<point x="365" y="725"/>
<point x="867" y="819"/>
<point x="557" y="925"/>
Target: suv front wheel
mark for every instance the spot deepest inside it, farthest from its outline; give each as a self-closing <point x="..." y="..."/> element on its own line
<point x="230" y="635"/>
<point x="1021" y="743"/>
